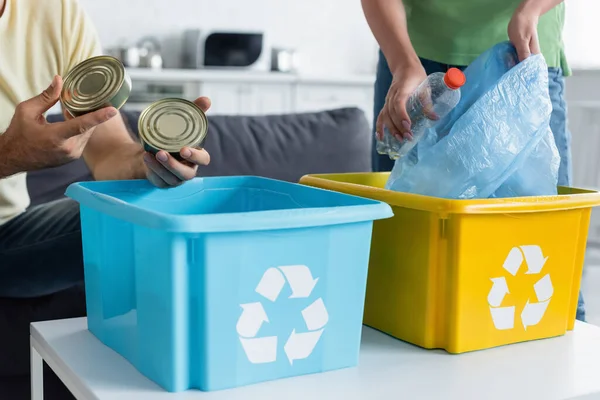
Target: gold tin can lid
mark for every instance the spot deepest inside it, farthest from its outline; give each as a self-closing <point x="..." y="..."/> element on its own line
<point x="95" y="83"/>
<point x="171" y="124"/>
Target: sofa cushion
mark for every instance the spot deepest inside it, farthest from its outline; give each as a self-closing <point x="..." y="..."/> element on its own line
<point x="287" y="147"/>
<point x="282" y="147"/>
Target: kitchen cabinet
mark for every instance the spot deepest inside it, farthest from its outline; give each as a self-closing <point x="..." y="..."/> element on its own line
<point x="247" y="98"/>
<point x="268" y="99"/>
<point x="315" y="97"/>
<point x="226" y="98"/>
<point x="256" y="93"/>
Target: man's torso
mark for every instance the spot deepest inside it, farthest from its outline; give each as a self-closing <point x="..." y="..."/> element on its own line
<point x="34" y="46"/>
<point x="456" y="32"/>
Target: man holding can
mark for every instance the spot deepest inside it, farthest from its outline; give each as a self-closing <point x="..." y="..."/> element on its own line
<point x="40" y="248"/>
<point x="420" y="37"/>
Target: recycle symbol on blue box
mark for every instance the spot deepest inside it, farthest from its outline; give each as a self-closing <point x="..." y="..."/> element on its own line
<point x="299" y="344"/>
<point x="503" y="316"/>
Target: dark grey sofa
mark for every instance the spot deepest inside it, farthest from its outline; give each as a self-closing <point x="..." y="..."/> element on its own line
<point x="283" y="147"/>
<point x="279" y="146"/>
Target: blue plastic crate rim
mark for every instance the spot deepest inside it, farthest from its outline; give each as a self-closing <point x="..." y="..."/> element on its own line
<point x="216" y="204"/>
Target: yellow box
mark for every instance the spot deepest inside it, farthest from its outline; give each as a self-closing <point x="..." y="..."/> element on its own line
<point x="466" y="275"/>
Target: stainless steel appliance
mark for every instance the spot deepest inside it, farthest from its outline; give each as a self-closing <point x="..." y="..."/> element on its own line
<point x="129" y="56"/>
<point x="284" y="60"/>
<point x="144" y="54"/>
<point x="150" y="57"/>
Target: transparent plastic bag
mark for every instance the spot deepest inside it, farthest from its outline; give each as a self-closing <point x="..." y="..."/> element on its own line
<point x="497" y="142"/>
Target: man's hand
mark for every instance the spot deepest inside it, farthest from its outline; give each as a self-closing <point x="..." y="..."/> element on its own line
<point x="522" y="32"/>
<point x="522" y="29"/>
<point x="394" y="115"/>
<point x="163" y="170"/>
<point x="31" y="143"/>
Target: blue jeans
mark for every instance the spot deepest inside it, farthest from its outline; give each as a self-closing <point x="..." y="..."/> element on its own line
<point x="40" y="251"/>
<point x="558" y="124"/>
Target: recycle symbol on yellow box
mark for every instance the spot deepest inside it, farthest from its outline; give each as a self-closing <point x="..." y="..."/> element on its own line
<point x="503" y="316"/>
<point x="298" y="344"/>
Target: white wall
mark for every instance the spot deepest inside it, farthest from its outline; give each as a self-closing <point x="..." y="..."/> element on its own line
<point x="332" y="34"/>
<point x="581" y="34"/>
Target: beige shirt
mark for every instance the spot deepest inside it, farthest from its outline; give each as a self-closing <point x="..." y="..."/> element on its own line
<point x="38" y="39"/>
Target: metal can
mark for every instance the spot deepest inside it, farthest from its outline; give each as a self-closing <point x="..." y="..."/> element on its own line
<point x="171" y="124"/>
<point x="93" y="84"/>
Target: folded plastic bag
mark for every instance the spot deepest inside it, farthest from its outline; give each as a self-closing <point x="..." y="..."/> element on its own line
<point x="497" y="142"/>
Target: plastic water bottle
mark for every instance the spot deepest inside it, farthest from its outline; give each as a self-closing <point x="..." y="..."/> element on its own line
<point x="436" y="96"/>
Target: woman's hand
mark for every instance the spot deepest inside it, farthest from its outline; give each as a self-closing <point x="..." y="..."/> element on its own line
<point x="394" y="115"/>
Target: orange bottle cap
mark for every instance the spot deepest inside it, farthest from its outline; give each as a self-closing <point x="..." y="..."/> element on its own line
<point x="454" y="78"/>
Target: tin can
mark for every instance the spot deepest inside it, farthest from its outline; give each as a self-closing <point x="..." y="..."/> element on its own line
<point x="93" y="84"/>
<point x="171" y="124"/>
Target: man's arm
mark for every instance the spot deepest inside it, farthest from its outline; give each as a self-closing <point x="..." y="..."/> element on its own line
<point x="387" y="20"/>
<point x="110" y="144"/>
<point x="31" y="143"/>
<point x="538" y="7"/>
<point x="111" y="153"/>
<point x="522" y="28"/>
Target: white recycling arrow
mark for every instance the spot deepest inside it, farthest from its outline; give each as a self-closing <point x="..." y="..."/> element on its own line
<point x="503" y="317"/>
<point x="532" y="254"/>
<point x="271" y="284"/>
<point x="533" y="312"/>
<point x="513" y="261"/>
<point x="260" y="350"/>
<point x="498" y="291"/>
<point x="252" y="318"/>
<point x="535" y="259"/>
<point x="300" y="345"/>
<point x="300" y="280"/>
<point x="543" y="288"/>
<point x="315" y="315"/>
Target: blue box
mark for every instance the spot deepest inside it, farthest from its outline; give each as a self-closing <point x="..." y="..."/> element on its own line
<point x="226" y="281"/>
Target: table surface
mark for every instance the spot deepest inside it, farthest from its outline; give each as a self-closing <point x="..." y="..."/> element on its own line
<point x="565" y="367"/>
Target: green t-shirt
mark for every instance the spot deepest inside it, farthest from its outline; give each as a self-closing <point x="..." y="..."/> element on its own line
<point x="455" y="32"/>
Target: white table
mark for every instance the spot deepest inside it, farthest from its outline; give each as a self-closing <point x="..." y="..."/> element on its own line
<point x="561" y="368"/>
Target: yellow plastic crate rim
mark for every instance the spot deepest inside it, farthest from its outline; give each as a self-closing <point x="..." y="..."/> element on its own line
<point x="371" y="185"/>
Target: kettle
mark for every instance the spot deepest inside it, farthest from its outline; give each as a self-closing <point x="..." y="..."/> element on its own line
<point x="129" y="56"/>
<point x="150" y="56"/>
<point x="145" y="54"/>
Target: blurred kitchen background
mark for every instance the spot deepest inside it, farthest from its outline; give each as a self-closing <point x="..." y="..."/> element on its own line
<point x="324" y="56"/>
